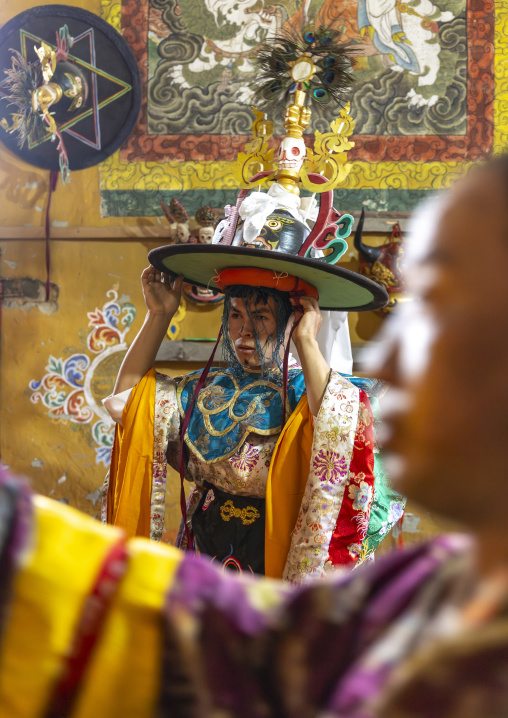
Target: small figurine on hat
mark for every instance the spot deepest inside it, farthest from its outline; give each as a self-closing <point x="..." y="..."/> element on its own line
<point x="172" y="222"/>
<point x="179" y="221"/>
<point x="281" y="455"/>
<point x="207" y="219"/>
<point x="182" y="233"/>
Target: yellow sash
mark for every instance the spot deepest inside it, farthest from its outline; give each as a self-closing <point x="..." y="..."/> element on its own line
<point x="49" y="592"/>
<point x="130" y="474"/>
<point x="123" y="680"/>
<point x="48" y="596"/>
<point x="287" y="478"/>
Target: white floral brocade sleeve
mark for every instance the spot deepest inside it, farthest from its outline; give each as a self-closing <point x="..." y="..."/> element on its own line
<point x="329" y="476"/>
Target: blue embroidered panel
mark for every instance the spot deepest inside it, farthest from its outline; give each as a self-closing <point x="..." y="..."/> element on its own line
<point x="228" y="408"/>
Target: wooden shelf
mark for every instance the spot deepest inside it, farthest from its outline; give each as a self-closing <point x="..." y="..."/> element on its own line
<point x="374" y="222"/>
<point x="182" y="351"/>
<point x="83" y="234"/>
<point x="189" y="351"/>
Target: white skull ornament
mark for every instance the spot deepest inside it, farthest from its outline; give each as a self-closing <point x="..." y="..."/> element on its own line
<point x="291" y="154"/>
<point x="205" y="235"/>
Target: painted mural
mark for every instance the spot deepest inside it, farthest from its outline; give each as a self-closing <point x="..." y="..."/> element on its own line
<point x="409" y="56"/>
<point x="423" y="103"/>
<point x="73" y="388"/>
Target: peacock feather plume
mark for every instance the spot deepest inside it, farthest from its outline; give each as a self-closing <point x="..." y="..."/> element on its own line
<point x="22" y="79"/>
<point x="331" y="81"/>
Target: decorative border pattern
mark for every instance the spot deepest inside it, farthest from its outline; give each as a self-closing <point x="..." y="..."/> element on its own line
<point x="501" y="68"/>
<point x="476" y="144"/>
<point x="325" y="491"/>
<point x="185" y="176"/>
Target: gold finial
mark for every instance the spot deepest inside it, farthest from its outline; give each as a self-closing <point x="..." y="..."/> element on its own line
<point x="296" y="120"/>
<point x="329" y="156"/>
<point x="257" y="157"/>
<point x="292" y="162"/>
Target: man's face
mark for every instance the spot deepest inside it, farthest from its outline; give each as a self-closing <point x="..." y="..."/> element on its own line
<point x="244" y="329"/>
<point x="446" y="356"/>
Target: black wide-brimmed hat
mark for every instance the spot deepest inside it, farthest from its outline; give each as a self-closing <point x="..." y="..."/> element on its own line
<point x="65" y="75"/>
<point x="338" y="288"/>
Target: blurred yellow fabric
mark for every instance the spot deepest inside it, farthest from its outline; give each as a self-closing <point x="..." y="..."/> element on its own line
<point x="50" y="589"/>
<point x="123" y="678"/>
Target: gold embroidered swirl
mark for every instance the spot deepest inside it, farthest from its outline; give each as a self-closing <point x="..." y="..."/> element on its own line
<point x="247" y="515"/>
<point x="213" y="400"/>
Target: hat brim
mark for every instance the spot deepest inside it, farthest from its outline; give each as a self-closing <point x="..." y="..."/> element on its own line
<point x="339" y="289"/>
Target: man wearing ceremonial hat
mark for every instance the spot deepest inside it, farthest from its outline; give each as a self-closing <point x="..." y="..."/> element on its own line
<point x="281" y="455"/>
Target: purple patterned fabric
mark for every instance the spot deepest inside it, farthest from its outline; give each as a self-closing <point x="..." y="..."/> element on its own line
<point x="16" y="518"/>
<point x="372" y="643"/>
<point x="261" y="649"/>
<point x="15" y="528"/>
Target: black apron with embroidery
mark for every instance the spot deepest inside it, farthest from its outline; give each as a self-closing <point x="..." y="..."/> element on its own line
<point x="231" y="529"/>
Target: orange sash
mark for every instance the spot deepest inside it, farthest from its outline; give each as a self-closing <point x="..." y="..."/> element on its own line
<point x="130" y="474"/>
<point x="287" y="478"/>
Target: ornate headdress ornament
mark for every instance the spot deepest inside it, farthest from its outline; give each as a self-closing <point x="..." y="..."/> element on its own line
<point x="315" y="68"/>
<point x="39" y="90"/>
<point x="178" y="211"/>
<point x="206" y="217"/>
<point x="277" y="232"/>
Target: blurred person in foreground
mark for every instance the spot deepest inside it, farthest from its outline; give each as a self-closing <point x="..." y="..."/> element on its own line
<point x="422" y="632"/>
